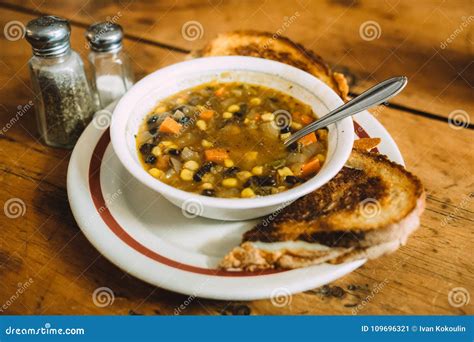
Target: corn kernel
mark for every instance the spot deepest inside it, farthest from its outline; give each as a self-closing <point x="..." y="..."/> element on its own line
<point x="285" y="171"/>
<point x="285" y="136"/>
<point x="247" y="193"/>
<point x="156" y="151"/>
<point x="257" y="170"/>
<point x="296" y="125"/>
<point x="228" y="163"/>
<point x="208" y="178"/>
<point x="206" y="186"/>
<point x="157" y="173"/>
<point x="227" y="115"/>
<point x="201" y="124"/>
<point x="186" y="175"/>
<point x="321" y="158"/>
<point x="191" y="165"/>
<point x="233" y="108"/>
<point x="246" y="121"/>
<point x="165" y="143"/>
<point x="160" y="110"/>
<point x="230" y="182"/>
<point x="251" y="156"/>
<point x="268" y="117"/>
<point x="255" y="101"/>
<point x="206" y="143"/>
<point x="243" y="175"/>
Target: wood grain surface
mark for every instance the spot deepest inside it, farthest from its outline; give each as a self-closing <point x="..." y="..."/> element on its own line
<point x="45" y="251"/>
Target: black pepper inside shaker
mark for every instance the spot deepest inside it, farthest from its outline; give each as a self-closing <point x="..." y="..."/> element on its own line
<point x="63" y="98"/>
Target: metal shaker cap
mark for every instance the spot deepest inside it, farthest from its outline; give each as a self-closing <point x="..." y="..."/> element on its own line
<point x="48" y="35"/>
<point x="105" y="36"/>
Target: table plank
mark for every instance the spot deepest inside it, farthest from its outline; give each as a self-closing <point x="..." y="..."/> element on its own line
<point x="46" y="244"/>
<point x="413" y="37"/>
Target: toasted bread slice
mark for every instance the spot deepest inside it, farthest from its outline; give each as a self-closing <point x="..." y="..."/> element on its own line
<point x="277" y="48"/>
<point x="367" y="210"/>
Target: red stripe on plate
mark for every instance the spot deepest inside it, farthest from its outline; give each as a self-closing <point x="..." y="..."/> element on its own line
<point x="101" y="207"/>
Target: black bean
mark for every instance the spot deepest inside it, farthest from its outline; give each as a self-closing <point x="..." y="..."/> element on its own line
<point x="151" y="159"/>
<point x="174" y="152"/>
<point x="146" y="148"/>
<point x="256" y="181"/>
<point x="231" y="171"/>
<point x="153" y="131"/>
<point x="197" y="177"/>
<point x="274" y="99"/>
<point x="293" y="147"/>
<point x="208" y="166"/>
<point x="152" y="120"/>
<point x="242" y="111"/>
<point x="208" y="192"/>
<point x="293" y="180"/>
<point x="285" y="129"/>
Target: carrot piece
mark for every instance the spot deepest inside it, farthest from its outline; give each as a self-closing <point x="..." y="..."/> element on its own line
<point x="170" y="126"/>
<point x="163" y="162"/>
<point x="216" y="155"/>
<point x="219" y="92"/>
<point x="309" y="139"/>
<point x="206" y="114"/>
<point x="310" y="167"/>
<point x="306" y="119"/>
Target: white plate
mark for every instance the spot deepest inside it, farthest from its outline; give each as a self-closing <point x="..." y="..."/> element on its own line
<point x="150" y="238"/>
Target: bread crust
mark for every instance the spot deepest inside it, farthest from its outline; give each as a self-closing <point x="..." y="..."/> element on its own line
<point x="278" y="48"/>
<point x="355" y="242"/>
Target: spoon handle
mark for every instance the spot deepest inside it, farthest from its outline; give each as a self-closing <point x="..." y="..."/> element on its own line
<point x="371" y="97"/>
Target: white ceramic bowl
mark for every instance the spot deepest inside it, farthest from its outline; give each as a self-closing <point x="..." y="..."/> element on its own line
<point x="143" y="96"/>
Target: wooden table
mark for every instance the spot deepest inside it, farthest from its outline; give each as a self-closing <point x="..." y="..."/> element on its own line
<point x="431" y="42"/>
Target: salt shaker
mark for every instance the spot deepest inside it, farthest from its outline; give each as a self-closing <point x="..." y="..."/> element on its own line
<point x="111" y="67"/>
<point x="64" y="102"/>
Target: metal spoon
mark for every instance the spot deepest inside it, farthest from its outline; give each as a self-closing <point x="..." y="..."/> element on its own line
<point x="371" y="97"/>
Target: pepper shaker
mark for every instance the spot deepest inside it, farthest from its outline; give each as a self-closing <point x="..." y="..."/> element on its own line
<point x="64" y="103"/>
<point x="111" y="67"/>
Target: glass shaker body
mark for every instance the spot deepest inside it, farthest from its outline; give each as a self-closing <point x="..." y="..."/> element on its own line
<point x="64" y="102"/>
<point x="112" y="75"/>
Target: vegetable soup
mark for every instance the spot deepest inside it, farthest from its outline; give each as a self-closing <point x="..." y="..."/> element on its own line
<point x="226" y="140"/>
